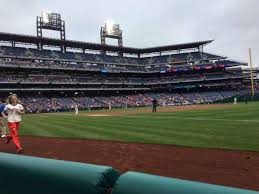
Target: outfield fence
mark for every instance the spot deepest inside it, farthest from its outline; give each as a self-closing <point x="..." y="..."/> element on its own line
<point x="240" y="98"/>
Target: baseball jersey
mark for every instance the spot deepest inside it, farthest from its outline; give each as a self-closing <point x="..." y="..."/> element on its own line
<point x="11" y="111"/>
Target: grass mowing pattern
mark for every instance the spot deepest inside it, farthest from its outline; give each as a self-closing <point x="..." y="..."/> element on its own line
<point x="234" y="128"/>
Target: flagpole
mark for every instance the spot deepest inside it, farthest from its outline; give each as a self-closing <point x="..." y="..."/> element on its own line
<point x="251" y="74"/>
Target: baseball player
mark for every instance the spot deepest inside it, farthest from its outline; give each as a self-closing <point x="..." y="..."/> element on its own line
<point x="76" y="109"/>
<point x="155" y="103"/>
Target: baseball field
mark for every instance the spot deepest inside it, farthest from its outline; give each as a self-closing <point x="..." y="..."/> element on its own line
<point x="215" y="126"/>
<point x="210" y="143"/>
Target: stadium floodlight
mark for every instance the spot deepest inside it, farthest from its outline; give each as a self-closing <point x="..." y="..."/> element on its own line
<point x="50" y="21"/>
<point x="46" y="16"/>
<point x="111" y="30"/>
<point x="109" y="25"/>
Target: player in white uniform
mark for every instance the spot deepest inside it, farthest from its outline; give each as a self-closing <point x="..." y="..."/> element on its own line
<point x="110" y="105"/>
<point x="76" y="109"/>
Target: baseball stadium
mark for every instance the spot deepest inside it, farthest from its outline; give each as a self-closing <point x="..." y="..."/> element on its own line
<point x="112" y="119"/>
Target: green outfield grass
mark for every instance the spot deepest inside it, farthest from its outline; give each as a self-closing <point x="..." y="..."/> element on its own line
<point x="234" y="128"/>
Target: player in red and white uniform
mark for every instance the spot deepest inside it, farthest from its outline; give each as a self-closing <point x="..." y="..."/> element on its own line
<point x="14" y="111"/>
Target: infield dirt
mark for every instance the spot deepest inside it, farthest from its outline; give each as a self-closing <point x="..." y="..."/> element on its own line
<point x="135" y="111"/>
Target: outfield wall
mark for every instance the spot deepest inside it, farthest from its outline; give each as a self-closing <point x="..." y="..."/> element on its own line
<point x="25" y="175"/>
<point x="240" y="98"/>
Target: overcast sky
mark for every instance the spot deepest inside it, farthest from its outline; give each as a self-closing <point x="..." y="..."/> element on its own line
<point x="233" y="24"/>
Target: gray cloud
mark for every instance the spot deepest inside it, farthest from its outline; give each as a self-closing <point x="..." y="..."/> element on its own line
<point x="232" y="23"/>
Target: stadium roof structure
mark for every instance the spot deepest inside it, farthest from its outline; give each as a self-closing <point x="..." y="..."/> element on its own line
<point x="175" y="47"/>
<point x="27" y="39"/>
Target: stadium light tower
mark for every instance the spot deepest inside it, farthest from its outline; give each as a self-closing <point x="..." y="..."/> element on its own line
<point x="113" y="31"/>
<point x="50" y="21"/>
